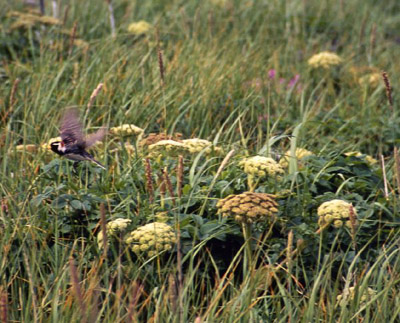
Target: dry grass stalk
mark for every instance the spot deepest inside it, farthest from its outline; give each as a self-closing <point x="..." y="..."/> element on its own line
<point x="179" y="176"/>
<point x="136" y="292"/>
<point x="172" y="292"/>
<point x="103" y="228"/>
<point x="353" y="226"/>
<point x="385" y="184"/>
<point x="289" y="250"/>
<point x="77" y="288"/>
<point x="95" y="93"/>
<point x="388" y="89"/>
<point x="12" y="100"/>
<point x="168" y="183"/>
<point x="66" y="12"/>
<point x="224" y="163"/>
<point x="179" y="267"/>
<point x="72" y="38"/>
<point x="397" y="168"/>
<point x="149" y="180"/>
<point x="31" y="286"/>
<point x="160" y="59"/>
<point x="112" y="19"/>
<point x="3" y="305"/>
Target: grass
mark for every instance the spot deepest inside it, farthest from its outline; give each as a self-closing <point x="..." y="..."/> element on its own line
<point x="218" y="58"/>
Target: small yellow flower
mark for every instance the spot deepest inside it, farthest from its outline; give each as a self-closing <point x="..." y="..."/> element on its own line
<point x="151" y="239"/>
<point x="369" y="159"/>
<point x="349" y="294"/>
<point x="260" y="166"/>
<point x="324" y="60"/>
<point x="28" y="148"/>
<point x="196" y="145"/>
<point x="336" y="212"/>
<point x="372" y="80"/>
<point x="139" y="28"/>
<point x="300" y="154"/>
<point x="126" y="130"/>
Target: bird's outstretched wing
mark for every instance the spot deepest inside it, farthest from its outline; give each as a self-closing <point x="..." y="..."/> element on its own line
<point x="91" y="139"/>
<point x="71" y="128"/>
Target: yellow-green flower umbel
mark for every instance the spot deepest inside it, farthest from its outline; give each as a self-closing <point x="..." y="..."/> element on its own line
<point x="259" y="167"/>
<point x="139" y="28"/>
<point x="299" y="155"/>
<point x="349" y="294"/>
<point x="170" y="148"/>
<point x="196" y="145"/>
<point x="249" y="207"/>
<point x="126" y="130"/>
<point x="337" y="213"/>
<point x="151" y="239"/>
<point x="324" y="60"/>
<point x="114" y="229"/>
<point x="369" y="159"/>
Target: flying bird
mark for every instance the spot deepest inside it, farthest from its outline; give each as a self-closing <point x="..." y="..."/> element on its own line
<point x="73" y="142"/>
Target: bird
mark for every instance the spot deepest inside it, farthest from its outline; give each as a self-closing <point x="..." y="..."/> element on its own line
<point x="73" y="142"/>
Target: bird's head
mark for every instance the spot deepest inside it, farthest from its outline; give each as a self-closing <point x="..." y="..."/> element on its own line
<point x="58" y="147"/>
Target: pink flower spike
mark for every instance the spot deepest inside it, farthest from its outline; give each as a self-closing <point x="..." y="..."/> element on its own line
<point x="294" y="80"/>
<point x="271" y="74"/>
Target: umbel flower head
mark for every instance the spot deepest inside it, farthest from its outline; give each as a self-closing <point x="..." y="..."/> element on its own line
<point x="337" y="212"/>
<point x="152" y="138"/>
<point x="260" y="166"/>
<point x="151" y="239"/>
<point x="249" y="207"/>
<point x="349" y="295"/>
<point x="169" y="148"/>
<point x="300" y="154"/>
<point x="29" y="148"/>
<point x="126" y="130"/>
<point x="197" y="145"/>
<point x="369" y="159"/>
<point x="324" y="60"/>
<point x="139" y="28"/>
<point x="372" y="80"/>
<point x="114" y="229"/>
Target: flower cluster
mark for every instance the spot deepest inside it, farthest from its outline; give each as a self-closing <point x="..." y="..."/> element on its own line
<point x="299" y="155"/>
<point x="324" y="60"/>
<point x="260" y="166"/>
<point x="337" y="212"/>
<point x="170" y="148"/>
<point x="126" y="130"/>
<point x="350" y="294"/>
<point x="151" y="239"/>
<point x="139" y="28"/>
<point x="152" y="138"/>
<point x="196" y="145"/>
<point x="369" y="159"/>
<point x="249" y="207"/>
<point x="372" y="80"/>
<point x="113" y="228"/>
<point x="29" y="148"/>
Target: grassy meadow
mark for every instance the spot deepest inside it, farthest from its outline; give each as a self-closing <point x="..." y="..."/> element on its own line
<point x="180" y="230"/>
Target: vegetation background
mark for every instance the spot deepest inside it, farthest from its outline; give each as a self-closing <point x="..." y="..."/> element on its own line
<point x="235" y="73"/>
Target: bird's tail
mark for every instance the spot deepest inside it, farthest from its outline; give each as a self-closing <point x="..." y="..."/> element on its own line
<point x="97" y="163"/>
